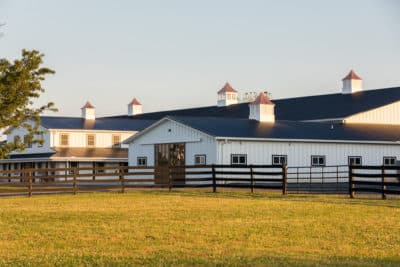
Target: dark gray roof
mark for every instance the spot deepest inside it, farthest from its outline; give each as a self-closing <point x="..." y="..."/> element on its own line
<point x="78" y="152"/>
<point x="245" y="128"/>
<point x="118" y="124"/>
<point x="330" y="106"/>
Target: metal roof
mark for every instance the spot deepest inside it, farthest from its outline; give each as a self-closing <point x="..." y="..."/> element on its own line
<point x="319" y="107"/>
<point x="111" y="124"/>
<point x="77" y="152"/>
<point x="291" y="130"/>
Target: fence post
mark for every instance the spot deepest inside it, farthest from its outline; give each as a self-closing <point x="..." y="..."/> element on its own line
<point x="29" y="183"/>
<point x="284" y="179"/>
<point x="169" y="178"/>
<point x="251" y="178"/>
<point x="122" y="178"/>
<point x="214" y="180"/>
<point x="351" y="188"/>
<point x="383" y="187"/>
<point x="75" y="170"/>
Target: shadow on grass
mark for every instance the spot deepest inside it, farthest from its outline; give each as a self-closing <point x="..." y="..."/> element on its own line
<point x="266" y="195"/>
<point x="160" y="258"/>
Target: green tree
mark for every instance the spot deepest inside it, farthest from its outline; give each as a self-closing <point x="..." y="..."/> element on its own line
<point x="20" y="84"/>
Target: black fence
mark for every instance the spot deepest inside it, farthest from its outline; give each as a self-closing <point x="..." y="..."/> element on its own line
<point x="121" y="178"/>
<point x="384" y="180"/>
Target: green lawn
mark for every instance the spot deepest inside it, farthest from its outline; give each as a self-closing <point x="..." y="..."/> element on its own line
<point x="199" y="228"/>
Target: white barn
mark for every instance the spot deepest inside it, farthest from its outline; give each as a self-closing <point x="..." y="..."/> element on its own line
<point x="354" y="126"/>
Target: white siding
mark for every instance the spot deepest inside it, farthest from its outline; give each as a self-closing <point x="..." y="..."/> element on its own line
<point x="36" y="148"/>
<point x="173" y="132"/>
<point x="78" y="138"/>
<point x="389" y="114"/>
<point x="299" y="154"/>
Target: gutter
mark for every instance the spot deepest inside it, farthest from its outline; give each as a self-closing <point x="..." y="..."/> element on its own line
<point x="219" y="138"/>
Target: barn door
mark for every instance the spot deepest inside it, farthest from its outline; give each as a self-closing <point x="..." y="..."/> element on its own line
<point x="169" y="156"/>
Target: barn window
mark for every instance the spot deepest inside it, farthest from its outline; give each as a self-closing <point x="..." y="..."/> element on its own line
<point x="72" y="165"/>
<point x="279" y="159"/>
<point x="238" y="159"/>
<point x="64" y="139"/>
<point x="355" y="161"/>
<point x="200" y="160"/>
<point x="142" y="161"/>
<point x="116" y="140"/>
<point x="318" y="161"/>
<point x="389" y="161"/>
<point x="91" y="140"/>
<point x="99" y="165"/>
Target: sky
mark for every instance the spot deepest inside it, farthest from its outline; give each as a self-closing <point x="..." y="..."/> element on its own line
<point x="179" y="53"/>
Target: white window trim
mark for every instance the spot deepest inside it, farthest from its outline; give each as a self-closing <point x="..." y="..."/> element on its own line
<point x="389" y="157"/>
<point x="200" y="156"/>
<point x="279" y="156"/>
<point x="354" y="157"/>
<point x="141" y="158"/>
<point x="239" y="155"/>
<point x="318" y="164"/>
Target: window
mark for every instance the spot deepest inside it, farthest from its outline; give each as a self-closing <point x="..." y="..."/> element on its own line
<point x="64" y="139"/>
<point x="238" y="159"/>
<point x="279" y="159"/>
<point x="355" y="161"/>
<point x="116" y="140"/>
<point x="99" y="165"/>
<point x="318" y="161"/>
<point x="91" y="140"/>
<point x="389" y="161"/>
<point x="142" y="161"/>
<point x="200" y="159"/>
<point x="72" y="164"/>
<point x="27" y="142"/>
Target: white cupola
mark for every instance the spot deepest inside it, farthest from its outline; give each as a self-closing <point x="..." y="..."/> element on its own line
<point x="352" y="83"/>
<point x="227" y="96"/>
<point x="262" y="109"/>
<point x="88" y="111"/>
<point x="134" y="108"/>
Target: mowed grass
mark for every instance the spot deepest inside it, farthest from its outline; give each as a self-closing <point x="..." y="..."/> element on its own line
<point x="199" y="228"/>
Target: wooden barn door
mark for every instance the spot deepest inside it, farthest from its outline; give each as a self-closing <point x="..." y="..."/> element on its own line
<point x="166" y="156"/>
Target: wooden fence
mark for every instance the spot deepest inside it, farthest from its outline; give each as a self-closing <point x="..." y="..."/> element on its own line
<point x="121" y="178"/>
<point x="383" y="180"/>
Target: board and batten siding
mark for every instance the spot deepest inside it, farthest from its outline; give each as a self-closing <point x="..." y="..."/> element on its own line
<point x="299" y="153"/>
<point x="389" y="114"/>
<point x="173" y="132"/>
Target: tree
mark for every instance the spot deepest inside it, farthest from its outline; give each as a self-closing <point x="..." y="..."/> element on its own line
<point x="20" y="84"/>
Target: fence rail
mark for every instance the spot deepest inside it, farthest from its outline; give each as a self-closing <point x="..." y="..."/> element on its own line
<point x="383" y="180"/>
<point x="120" y="178"/>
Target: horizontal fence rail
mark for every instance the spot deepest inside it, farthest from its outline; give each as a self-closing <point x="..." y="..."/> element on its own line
<point x="121" y="178"/>
<point x="383" y="180"/>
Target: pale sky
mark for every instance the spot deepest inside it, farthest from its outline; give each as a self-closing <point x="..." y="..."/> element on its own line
<point x="179" y="53"/>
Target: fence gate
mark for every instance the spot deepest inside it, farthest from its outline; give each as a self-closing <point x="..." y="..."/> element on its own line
<point x="318" y="179"/>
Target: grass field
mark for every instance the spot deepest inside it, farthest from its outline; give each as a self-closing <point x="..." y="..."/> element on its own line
<point x="199" y="228"/>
